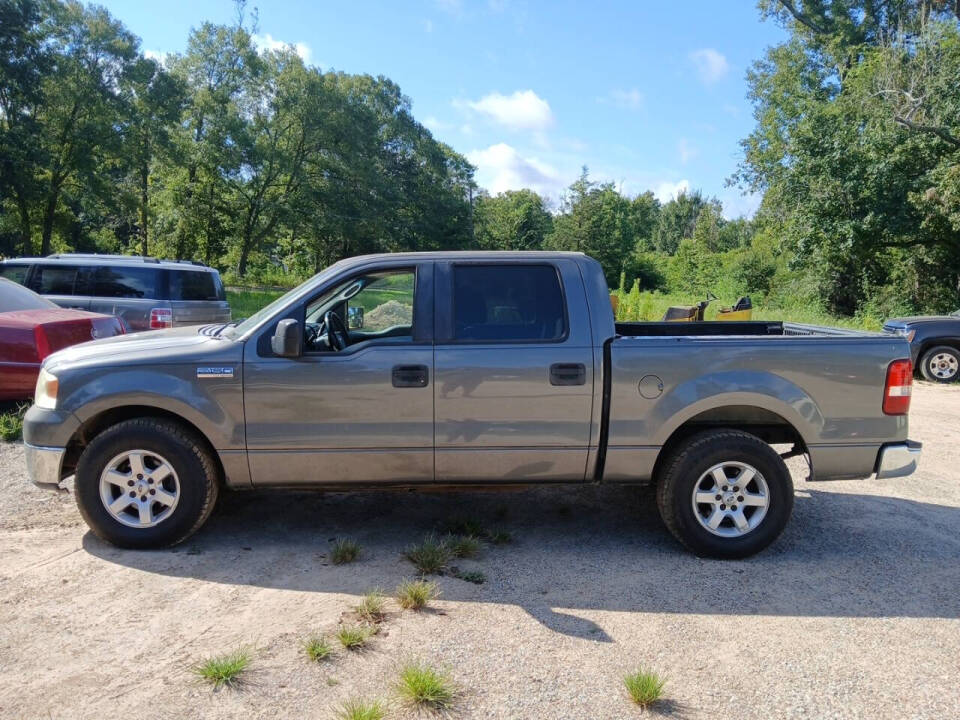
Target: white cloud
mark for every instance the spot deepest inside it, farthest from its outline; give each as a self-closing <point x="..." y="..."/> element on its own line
<point x="632" y="98"/>
<point x="667" y="191"/>
<point x="711" y="64"/>
<point x="436" y="125"/>
<point x="500" y="167"/>
<point x="159" y="55"/>
<point x="737" y="204"/>
<point x="267" y="42"/>
<point x="523" y="110"/>
<point x="687" y="151"/>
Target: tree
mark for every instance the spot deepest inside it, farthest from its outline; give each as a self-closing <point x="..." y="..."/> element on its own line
<point x="512" y="220"/>
<point x="677" y="220"/>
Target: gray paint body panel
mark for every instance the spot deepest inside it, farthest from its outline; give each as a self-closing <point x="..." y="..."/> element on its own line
<point x="489" y="412"/>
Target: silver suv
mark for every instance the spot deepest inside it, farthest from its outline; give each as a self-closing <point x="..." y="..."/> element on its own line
<point x="145" y="293"/>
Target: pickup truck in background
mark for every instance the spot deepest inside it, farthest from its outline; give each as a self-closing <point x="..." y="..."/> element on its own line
<point x="934" y="344"/>
<point x="464" y="369"/>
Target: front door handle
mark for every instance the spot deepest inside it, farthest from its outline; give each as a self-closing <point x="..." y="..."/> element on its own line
<point x="410" y="376"/>
<point x="568" y="374"/>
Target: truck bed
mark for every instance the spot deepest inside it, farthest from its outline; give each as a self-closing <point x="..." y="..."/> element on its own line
<point x="715" y="328"/>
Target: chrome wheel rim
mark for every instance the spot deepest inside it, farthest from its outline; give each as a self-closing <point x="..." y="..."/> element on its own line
<point x="944" y="366"/>
<point x="139" y="488"/>
<point x="730" y="499"/>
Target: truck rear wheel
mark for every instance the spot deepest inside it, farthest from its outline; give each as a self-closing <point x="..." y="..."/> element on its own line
<point x="146" y="483"/>
<point x="725" y="494"/>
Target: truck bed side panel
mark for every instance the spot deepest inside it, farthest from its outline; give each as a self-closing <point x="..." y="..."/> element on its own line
<point x="828" y="388"/>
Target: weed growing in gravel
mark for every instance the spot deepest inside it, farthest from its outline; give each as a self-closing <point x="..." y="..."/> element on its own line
<point x="318" y="648"/>
<point x="372" y="607"/>
<point x="11" y="422"/>
<point x="416" y="594"/>
<point x="224" y="669"/>
<point x="462" y="546"/>
<point x="423" y="685"/>
<point x="354" y="637"/>
<point x="358" y="709"/>
<point x="500" y="537"/>
<point x="463" y="526"/>
<point x="471" y="576"/>
<point x="344" y="551"/>
<point x="644" y="687"/>
<point x="430" y="557"/>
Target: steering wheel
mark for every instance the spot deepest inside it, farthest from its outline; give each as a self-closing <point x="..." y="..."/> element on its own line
<point x="337" y="336"/>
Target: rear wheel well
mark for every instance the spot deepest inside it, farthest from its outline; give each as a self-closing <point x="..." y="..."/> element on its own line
<point x="108" y="418"/>
<point x="765" y="424"/>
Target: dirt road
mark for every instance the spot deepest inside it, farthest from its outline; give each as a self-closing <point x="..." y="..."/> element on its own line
<point x="853" y="613"/>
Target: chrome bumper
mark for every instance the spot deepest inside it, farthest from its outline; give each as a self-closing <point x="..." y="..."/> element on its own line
<point x="898" y="460"/>
<point x="43" y="465"/>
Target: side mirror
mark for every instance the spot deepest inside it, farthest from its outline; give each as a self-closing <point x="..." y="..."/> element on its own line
<point x="354" y="318"/>
<point x="287" y="341"/>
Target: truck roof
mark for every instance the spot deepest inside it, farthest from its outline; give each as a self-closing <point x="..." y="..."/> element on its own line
<point x="461" y="255"/>
<point x="126" y="260"/>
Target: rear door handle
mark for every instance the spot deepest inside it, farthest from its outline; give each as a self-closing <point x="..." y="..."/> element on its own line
<point x="568" y="374"/>
<point x="410" y="376"/>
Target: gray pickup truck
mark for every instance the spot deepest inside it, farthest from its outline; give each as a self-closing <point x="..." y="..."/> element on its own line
<point x="465" y="369"/>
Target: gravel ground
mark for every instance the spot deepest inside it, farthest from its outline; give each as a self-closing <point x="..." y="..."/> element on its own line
<point x="853" y="613"/>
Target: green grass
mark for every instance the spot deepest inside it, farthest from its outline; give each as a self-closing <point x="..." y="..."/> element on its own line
<point x="644" y="688"/>
<point x="423" y="685"/>
<point x="463" y="546"/>
<point x="416" y="594"/>
<point x="471" y="576"/>
<point x="458" y="525"/>
<point x="11" y="421"/>
<point x="430" y="557"/>
<point x="372" y="607"/>
<point x="244" y="303"/>
<point x="224" y="669"/>
<point x="317" y="648"/>
<point x="344" y="551"/>
<point x="354" y="637"/>
<point x="499" y="537"/>
<point x="358" y="709"/>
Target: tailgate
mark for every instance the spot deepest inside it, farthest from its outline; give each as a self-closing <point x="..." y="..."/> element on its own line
<point x="190" y="312"/>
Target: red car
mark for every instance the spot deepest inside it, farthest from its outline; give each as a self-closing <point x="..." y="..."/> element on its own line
<point x="32" y="327"/>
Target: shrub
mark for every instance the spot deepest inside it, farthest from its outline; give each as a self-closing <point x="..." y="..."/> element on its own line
<point x="462" y="546"/>
<point x="224" y="669"/>
<point x="423" y="685"/>
<point x="344" y="551"/>
<point x="318" y="648"/>
<point x="372" y="606"/>
<point x="430" y="557"/>
<point x="357" y="709"/>
<point x="354" y="637"/>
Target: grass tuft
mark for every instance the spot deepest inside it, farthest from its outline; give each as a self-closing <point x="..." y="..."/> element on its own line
<point x="430" y="557"/>
<point x="357" y="709"/>
<point x="471" y="576"/>
<point x="644" y="688"/>
<point x="463" y="526"/>
<point x="373" y="606"/>
<point x="224" y="669"/>
<point x="416" y="594"/>
<point x="354" y="637"/>
<point x="463" y="546"/>
<point x="423" y="685"/>
<point x="318" y="648"/>
<point x="500" y="537"/>
<point x="344" y="551"/>
<point x="11" y="421"/>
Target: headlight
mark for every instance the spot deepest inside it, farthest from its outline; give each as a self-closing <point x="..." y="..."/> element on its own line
<point x="908" y="334"/>
<point x="46" y="394"/>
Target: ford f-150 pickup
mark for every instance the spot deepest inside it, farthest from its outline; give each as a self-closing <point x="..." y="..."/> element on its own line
<point x="465" y="369"/>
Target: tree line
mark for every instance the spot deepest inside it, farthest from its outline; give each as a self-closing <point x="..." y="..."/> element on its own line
<point x="270" y="169"/>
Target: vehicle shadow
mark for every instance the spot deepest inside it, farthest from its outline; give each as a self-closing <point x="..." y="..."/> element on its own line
<point x="588" y="548"/>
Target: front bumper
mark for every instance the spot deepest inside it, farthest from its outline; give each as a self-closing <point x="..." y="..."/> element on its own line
<point x="43" y="465"/>
<point x="898" y="460"/>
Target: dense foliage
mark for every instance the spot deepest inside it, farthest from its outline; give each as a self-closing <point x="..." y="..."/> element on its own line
<point x="270" y="169"/>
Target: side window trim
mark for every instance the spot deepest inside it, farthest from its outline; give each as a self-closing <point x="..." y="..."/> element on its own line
<point x="446" y="333"/>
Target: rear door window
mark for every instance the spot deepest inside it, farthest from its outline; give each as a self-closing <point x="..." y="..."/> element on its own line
<point x="17" y="273"/>
<point x="54" y="279"/>
<point x="508" y="303"/>
<point x="195" y="285"/>
<point x="121" y="282"/>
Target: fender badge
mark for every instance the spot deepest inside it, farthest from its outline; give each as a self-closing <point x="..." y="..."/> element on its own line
<point x="214" y="372"/>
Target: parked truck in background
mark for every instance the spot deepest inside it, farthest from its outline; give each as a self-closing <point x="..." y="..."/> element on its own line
<point x="466" y="369"/>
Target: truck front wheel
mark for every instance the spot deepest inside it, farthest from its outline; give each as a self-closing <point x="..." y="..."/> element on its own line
<point x="725" y="494"/>
<point x="146" y="483"/>
<point x="940" y="364"/>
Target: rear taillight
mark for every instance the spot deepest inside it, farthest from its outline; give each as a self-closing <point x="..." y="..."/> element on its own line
<point x="899" y="386"/>
<point x="161" y="318"/>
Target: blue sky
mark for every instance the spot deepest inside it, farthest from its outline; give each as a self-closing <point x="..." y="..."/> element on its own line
<point x="649" y="95"/>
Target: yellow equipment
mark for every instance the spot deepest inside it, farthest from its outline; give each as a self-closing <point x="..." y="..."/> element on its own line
<point x="742" y="310"/>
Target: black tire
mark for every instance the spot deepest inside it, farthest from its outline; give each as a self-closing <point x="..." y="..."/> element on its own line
<point x="929" y="372"/>
<point x="681" y="473"/>
<point x="199" y="482"/>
